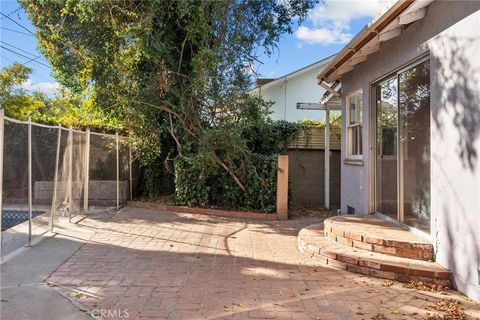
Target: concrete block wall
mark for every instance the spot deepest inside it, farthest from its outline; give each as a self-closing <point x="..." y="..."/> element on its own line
<point x="307" y="177"/>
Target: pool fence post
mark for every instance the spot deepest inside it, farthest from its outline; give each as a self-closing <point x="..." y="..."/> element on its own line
<point x="118" y="174"/>
<point x="1" y="173"/>
<point x="70" y="170"/>
<point x="87" y="169"/>
<point x="29" y="172"/>
<point x="130" y="172"/>
<point x="55" y="178"/>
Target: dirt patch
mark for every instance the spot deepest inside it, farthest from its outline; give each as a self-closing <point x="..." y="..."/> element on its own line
<point x="297" y="210"/>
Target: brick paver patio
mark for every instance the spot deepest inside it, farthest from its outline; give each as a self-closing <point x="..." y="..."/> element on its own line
<point x="151" y="265"/>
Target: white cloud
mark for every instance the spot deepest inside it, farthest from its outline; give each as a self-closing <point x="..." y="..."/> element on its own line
<point x="299" y="45"/>
<point x="50" y="89"/>
<point x="329" y="22"/>
<point x="344" y="11"/>
<point x="322" y="35"/>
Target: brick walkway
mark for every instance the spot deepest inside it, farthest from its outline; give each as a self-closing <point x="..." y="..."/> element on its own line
<point x="179" y="266"/>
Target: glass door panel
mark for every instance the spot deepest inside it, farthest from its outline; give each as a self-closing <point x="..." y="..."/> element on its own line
<point x="414" y="109"/>
<point x="386" y="157"/>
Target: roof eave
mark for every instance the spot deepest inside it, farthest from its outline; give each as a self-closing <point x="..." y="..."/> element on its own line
<point x="362" y="38"/>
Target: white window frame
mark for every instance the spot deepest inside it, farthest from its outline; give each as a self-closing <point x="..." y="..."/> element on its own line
<point x="349" y="128"/>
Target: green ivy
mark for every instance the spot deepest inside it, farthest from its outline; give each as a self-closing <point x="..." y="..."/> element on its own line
<point x="195" y="187"/>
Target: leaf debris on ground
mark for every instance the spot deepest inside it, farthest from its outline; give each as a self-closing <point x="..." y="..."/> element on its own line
<point x="426" y="286"/>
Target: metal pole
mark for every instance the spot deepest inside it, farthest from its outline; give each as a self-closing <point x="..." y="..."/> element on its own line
<point x="118" y="175"/>
<point x="327" y="158"/>
<point x="87" y="169"/>
<point x="29" y="182"/>
<point x="55" y="178"/>
<point x="1" y="172"/>
<point x="130" y="171"/>
<point x="70" y="174"/>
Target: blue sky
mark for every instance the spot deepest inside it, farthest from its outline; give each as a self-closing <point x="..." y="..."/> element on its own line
<point x="329" y="26"/>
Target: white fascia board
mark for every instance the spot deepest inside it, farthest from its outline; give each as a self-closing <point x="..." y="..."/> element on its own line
<point x="319" y="64"/>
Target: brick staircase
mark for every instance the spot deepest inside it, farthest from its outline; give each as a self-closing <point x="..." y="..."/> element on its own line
<point x="371" y="246"/>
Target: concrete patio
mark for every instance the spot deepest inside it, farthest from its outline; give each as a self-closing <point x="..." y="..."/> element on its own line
<point x="143" y="264"/>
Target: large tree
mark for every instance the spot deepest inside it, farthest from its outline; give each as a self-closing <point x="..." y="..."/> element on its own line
<point x="176" y="71"/>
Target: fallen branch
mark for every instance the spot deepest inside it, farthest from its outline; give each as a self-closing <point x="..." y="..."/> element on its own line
<point x="224" y="166"/>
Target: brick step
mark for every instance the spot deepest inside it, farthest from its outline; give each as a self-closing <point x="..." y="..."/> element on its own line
<point x="369" y="232"/>
<point x="312" y="242"/>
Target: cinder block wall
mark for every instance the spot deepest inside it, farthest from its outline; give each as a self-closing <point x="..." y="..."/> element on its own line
<point x="307" y="177"/>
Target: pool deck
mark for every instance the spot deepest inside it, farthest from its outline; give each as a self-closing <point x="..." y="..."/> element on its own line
<point x="23" y="276"/>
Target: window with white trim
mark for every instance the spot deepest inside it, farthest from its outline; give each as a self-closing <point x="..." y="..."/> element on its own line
<point x="354" y="125"/>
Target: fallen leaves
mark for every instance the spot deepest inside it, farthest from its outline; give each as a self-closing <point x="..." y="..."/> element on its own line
<point x="426" y="286"/>
<point x="451" y="309"/>
<point x="388" y="283"/>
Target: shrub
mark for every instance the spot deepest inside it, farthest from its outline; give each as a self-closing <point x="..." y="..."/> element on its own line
<point x="195" y="186"/>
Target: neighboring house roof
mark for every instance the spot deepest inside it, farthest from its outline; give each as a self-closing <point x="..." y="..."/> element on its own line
<point x="296" y="73"/>
<point x="261" y="81"/>
<point x="385" y="26"/>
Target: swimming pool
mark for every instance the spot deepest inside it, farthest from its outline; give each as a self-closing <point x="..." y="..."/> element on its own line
<point x="11" y="218"/>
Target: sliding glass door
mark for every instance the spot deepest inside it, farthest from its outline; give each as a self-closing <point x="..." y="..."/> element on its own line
<point x="387" y="148"/>
<point x="402" y="166"/>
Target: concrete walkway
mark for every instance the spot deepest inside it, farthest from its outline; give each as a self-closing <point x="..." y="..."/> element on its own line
<point x="144" y="264"/>
<point x="24" y="293"/>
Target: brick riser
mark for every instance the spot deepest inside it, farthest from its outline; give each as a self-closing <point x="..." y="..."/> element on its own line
<point x="368" y="263"/>
<point x="398" y="248"/>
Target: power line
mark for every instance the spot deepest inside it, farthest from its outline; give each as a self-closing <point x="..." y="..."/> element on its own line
<point x="35" y="74"/>
<point x="8" y="29"/>
<point x="18" y="24"/>
<point x="34" y="56"/>
<point x="22" y="55"/>
<point x="28" y="61"/>
<point x="16" y="10"/>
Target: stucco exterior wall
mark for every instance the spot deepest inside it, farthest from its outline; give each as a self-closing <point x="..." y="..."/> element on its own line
<point x="286" y="92"/>
<point x="449" y="34"/>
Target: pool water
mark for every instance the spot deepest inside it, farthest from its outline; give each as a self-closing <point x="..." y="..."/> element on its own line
<point x="11" y="218"/>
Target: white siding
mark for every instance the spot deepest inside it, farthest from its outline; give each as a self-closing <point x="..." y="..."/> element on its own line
<point x="285" y="92"/>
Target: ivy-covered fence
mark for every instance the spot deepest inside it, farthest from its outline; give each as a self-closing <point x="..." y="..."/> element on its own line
<point x="196" y="187"/>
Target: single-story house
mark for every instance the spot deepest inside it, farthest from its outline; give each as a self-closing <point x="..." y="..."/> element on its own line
<point x="410" y="89"/>
<point x="285" y="92"/>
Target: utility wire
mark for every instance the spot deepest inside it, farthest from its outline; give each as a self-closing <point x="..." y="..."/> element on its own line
<point x="35" y="74"/>
<point x="18" y="24"/>
<point x="16" y="10"/>
<point x="22" y="55"/>
<point x="8" y="29"/>
<point x="32" y="54"/>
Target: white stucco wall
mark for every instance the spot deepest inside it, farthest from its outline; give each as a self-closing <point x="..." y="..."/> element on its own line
<point x="287" y="91"/>
<point x="450" y="34"/>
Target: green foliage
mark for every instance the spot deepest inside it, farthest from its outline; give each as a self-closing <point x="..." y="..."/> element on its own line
<point x="196" y="186"/>
<point x="335" y="122"/>
<point x="65" y="108"/>
<point x="158" y="180"/>
<point x="175" y="73"/>
<point x="13" y="99"/>
<point x="200" y="180"/>
<point x="71" y="110"/>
